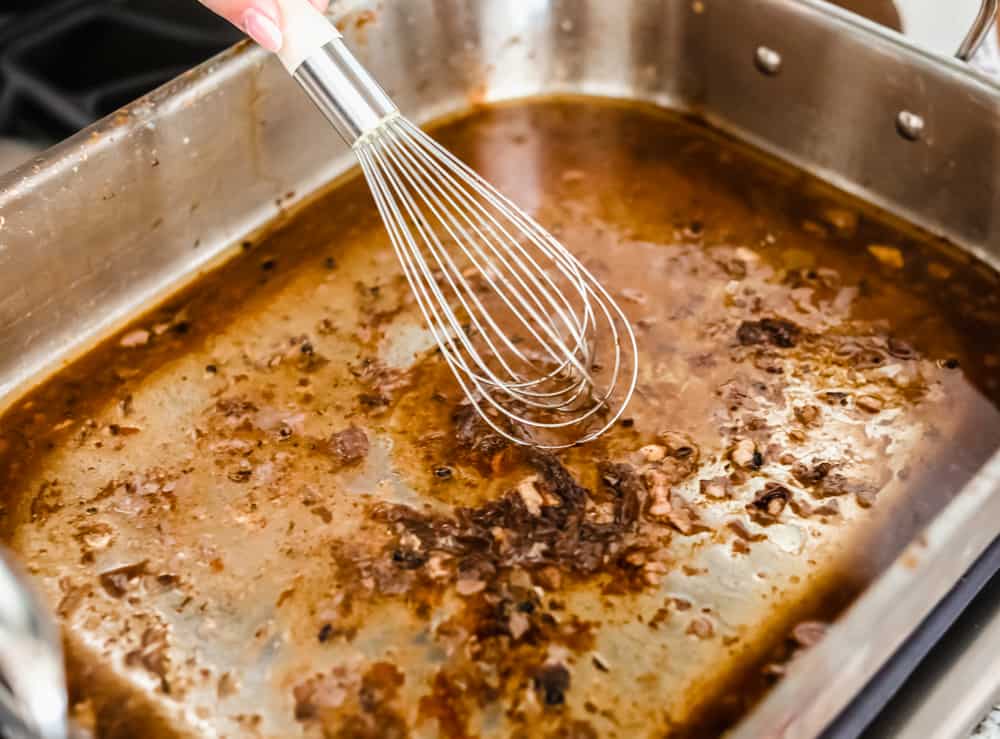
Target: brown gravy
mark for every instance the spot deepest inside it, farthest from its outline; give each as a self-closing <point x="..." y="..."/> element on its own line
<point x="253" y="517"/>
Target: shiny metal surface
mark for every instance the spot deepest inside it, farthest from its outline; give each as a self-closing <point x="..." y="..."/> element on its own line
<point x="910" y="125"/>
<point x="768" y="60"/>
<point x="32" y="696"/>
<point x="139" y="205"/>
<point x="957" y="683"/>
<point x="521" y="322"/>
<point x="981" y="27"/>
<point x="342" y="89"/>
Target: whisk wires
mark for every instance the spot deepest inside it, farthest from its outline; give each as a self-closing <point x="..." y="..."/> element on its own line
<point x="534" y="340"/>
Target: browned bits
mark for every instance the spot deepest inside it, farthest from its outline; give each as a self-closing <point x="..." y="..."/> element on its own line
<point x="701" y="627"/>
<point x="530" y="495"/>
<point x="408" y="559"/>
<point x="803" y="509"/>
<point x="809" y="633"/>
<point x="659" y="494"/>
<point x="227" y="685"/>
<point x="869" y="403"/>
<point x="742" y="533"/>
<point x="835" y="397"/>
<point x="900" y="349"/>
<point x="718" y="488"/>
<point x="552" y="682"/>
<point x="152" y="655"/>
<point x="773" y="331"/>
<point x="554" y="537"/>
<point x="769" y="503"/>
<point x="694" y="229"/>
<point x="118" y="430"/>
<point x="364" y="17"/>
<point x="475" y="437"/>
<point x="812" y="474"/>
<point x="138" y="337"/>
<point x="361" y="705"/>
<point x="865" y="496"/>
<point x="469" y="587"/>
<point x="843" y="220"/>
<point x="118" y="581"/>
<point x="684" y="519"/>
<point x="679" y="446"/>
<point x="744" y="454"/>
<point x="518" y="624"/>
<point x="241" y="473"/>
<point x="888" y="256"/>
<point x="349" y="446"/>
<point x="653" y="453"/>
<point x="808" y="415"/>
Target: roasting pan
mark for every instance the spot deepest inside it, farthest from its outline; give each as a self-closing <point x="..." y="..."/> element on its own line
<point x="144" y="202"/>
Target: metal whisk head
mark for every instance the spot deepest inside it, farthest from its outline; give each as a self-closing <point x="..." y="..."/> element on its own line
<point x="532" y="337"/>
<point x="536" y="343"/>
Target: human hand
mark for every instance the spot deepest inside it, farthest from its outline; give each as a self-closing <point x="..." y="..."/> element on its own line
<point x="260" y="19"/>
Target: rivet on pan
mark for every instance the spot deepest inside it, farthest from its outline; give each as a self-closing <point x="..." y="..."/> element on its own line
<point x="909" y="125"/>
<point x="767" y="60"/>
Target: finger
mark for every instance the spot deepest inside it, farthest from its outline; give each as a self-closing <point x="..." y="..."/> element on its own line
<point x="259" y="19"/>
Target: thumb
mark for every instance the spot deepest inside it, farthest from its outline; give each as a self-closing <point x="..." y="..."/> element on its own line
<point x="259" y="19"/>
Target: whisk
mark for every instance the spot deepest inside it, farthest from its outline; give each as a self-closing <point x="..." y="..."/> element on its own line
<point x="536" y="343"/>
<point x="32" y="682"/>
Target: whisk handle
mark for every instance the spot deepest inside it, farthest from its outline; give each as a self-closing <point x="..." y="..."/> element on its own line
<point x="305" y="30"/>
<point x="317" y="57"/>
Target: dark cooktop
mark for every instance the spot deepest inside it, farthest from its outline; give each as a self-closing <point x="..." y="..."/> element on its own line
<point x="66" y="63"/>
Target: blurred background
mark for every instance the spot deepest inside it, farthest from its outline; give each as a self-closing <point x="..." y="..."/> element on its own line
<point x="66" y="63"/>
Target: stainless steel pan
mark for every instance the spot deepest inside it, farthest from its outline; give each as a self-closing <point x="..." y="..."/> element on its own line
<point x="143" y="202"/>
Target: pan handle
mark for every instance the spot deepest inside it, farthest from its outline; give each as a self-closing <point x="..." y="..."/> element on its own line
<point x="980" y="28"/>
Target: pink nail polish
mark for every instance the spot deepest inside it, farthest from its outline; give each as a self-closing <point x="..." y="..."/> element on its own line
<point x="262" y="29"/>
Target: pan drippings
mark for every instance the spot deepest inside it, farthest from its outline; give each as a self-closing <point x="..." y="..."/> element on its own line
<point x="264" y="510"/>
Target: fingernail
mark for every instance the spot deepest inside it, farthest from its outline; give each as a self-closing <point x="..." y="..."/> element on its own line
<point x="262" y="29"/>
<point x="321" y="5"/>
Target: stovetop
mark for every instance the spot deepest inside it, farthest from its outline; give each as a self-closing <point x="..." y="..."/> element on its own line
<point x="66" y="63"/>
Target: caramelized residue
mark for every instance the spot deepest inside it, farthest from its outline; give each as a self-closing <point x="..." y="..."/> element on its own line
<point x="266" y="502"/>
